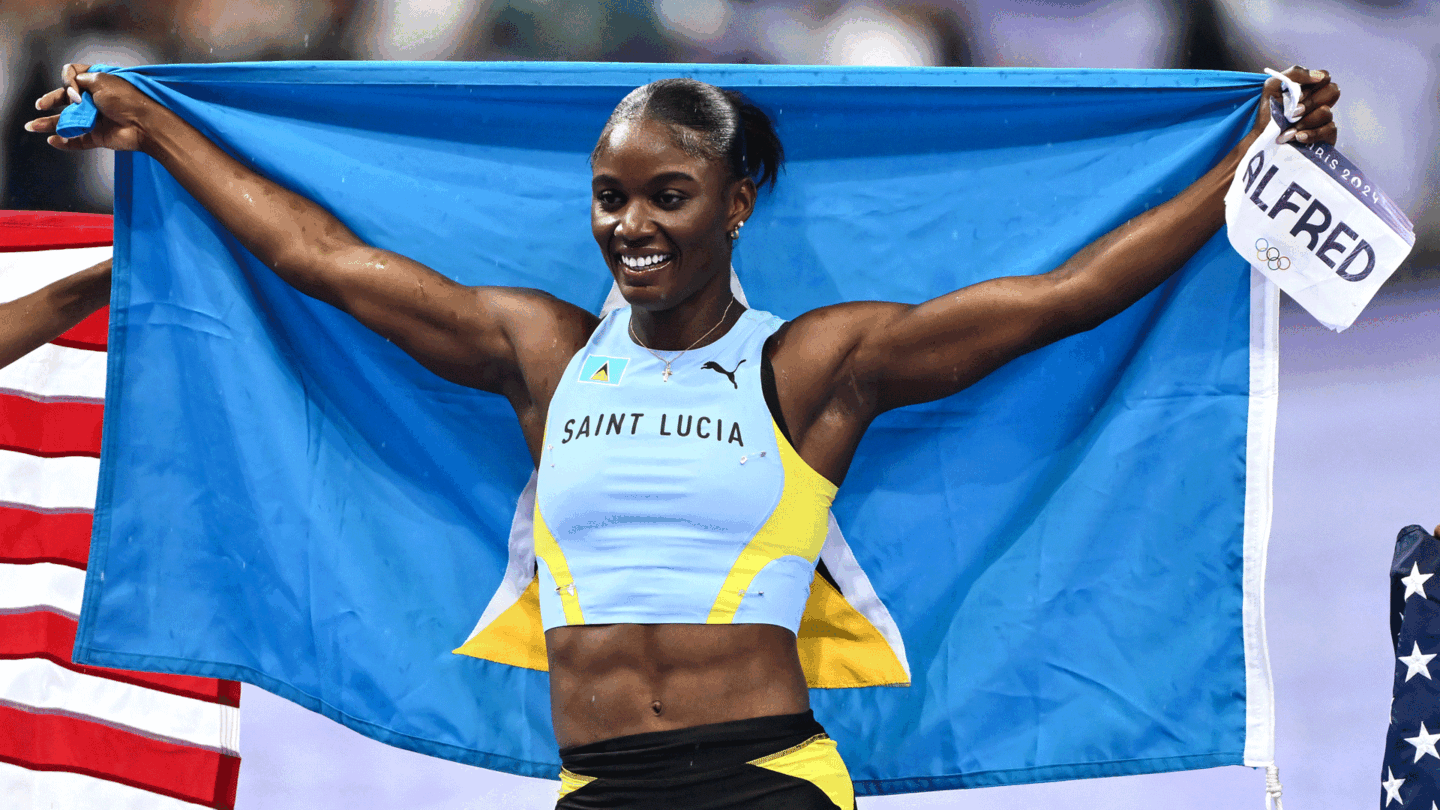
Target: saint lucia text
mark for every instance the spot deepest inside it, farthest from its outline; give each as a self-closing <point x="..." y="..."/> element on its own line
<point x="669" y="424"/>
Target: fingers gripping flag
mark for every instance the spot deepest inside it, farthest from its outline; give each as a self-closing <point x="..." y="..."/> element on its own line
<point x="1410" y="774"/>
<point x="74" y="736"/>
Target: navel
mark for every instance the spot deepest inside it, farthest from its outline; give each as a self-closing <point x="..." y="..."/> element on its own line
<point x="656" y="708"/>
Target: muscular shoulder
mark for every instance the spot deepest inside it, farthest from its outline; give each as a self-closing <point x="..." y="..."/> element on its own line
<point x="824" y="342"/>
<point x="818" y="360"/>
<point x="531" y="332"/>
<point x="528" y="313"/>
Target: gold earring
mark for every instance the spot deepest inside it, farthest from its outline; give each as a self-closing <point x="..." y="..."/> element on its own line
<point x="735" y="231"/>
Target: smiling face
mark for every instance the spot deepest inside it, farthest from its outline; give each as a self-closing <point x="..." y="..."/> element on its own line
<point x="662" y="215"/>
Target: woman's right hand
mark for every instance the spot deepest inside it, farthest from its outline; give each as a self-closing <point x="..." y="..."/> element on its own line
<point x="122" y="107"/>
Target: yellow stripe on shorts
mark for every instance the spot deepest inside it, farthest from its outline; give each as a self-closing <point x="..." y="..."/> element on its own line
<point x="571" y="782"/>
<point x="818" y="762"/>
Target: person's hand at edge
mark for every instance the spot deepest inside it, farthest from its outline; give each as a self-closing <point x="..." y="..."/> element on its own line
<point x="31" y="321"/>
<point x="122" y="108"/>
<point x="1316" y="124"/>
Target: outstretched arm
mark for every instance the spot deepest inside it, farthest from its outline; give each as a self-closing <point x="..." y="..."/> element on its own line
<point x="29" y="322"/>
<point x="900" y="355"/>
<point x="476" y="336"/>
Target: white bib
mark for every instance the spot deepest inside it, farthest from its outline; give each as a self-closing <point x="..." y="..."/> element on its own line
<point x="1309" y="219"/>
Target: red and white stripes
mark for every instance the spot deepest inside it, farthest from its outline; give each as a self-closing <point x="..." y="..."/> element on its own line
<point x="75" y="736"/>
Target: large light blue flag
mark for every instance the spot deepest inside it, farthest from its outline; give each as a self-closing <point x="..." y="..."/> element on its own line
<point x="1054" y="574"/>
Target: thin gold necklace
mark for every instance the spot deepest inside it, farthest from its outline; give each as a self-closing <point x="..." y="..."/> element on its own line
<point x="665" y="377"/>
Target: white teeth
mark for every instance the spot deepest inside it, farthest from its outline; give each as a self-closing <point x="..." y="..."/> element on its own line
<point x="641" y="262"/>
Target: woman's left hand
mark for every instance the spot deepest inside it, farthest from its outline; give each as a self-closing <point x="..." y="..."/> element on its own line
<point x="1316" y="124"/>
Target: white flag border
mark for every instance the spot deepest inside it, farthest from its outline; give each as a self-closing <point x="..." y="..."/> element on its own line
<point x="1259" y="507"/>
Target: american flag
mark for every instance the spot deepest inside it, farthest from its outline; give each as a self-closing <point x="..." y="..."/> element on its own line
<point x="1408" y="777"/>
<point x="74" y="736"/>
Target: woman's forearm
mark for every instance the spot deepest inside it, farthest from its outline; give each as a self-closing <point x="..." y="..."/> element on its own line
<point x="289" y="233"/>
<point x="1125" y="264"/>
<point x="38" y="318"/>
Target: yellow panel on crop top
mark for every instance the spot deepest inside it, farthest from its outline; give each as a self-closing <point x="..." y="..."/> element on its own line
<point x="673" y="500"/>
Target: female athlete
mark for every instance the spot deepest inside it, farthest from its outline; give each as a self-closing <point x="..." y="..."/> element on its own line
<point x="670" y="617"/>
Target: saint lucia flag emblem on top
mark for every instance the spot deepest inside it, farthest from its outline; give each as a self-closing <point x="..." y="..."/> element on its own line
<point x="599" y="369"/>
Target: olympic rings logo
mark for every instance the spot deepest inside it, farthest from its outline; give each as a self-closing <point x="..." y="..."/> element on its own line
<point x="1269" y="255"/>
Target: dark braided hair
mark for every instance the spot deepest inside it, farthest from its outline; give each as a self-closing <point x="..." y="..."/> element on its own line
<point x="709" y="122"/>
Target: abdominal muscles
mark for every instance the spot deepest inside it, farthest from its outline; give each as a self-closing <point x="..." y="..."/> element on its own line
<point x="616" y="680"/>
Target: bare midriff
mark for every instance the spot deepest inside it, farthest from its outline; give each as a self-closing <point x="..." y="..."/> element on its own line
<point x="615" y="680"/>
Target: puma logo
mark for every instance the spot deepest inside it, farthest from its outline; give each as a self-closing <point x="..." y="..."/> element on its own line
<point x="730" y="375"/>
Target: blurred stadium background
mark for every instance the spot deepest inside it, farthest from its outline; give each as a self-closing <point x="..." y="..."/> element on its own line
<point x="1357" y="409"/>
<point x="1384" y="53"/>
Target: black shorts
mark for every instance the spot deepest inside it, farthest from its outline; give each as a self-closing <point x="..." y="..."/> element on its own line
<point x="785" y="762"/>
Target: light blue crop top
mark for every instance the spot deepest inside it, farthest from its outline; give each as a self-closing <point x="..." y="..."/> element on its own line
<point x="673" y="501"/>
